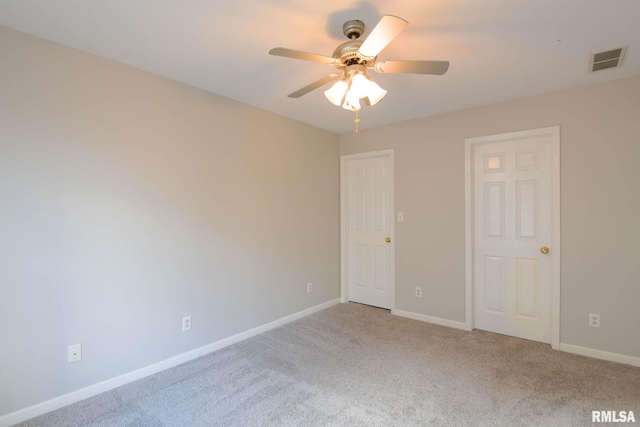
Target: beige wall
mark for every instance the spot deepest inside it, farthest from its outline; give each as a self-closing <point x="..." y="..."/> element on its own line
<point x="600" y="204"/>
<point x="129" y="201"/>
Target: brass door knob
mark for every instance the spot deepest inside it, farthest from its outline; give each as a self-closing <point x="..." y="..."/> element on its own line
<point x="544" y="250"/>
<point x="388" y="239"/>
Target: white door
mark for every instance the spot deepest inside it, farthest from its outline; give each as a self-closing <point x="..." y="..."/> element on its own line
<point x="513" y="226"/>
<point x="368" y="232"/>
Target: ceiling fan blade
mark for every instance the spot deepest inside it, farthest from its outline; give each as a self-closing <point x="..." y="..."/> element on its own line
<point x="298" y="54"/>
<point x="412" y="67"/>
<point x="385" y="31"/>
<point x="312" y="86"/>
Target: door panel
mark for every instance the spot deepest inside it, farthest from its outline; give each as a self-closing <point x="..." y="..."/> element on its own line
<point x="494" y="209"/>
<point x="527" y="288"/>
<point x="526" y="209"/>
<point x="494" y="284"/>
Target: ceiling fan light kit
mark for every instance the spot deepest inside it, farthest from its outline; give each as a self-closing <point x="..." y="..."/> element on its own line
<point x="354" y="57"/>
<point x="355" y="85"/>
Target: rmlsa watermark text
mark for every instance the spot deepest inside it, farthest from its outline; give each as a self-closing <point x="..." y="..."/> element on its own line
<point x="613" y="417"/>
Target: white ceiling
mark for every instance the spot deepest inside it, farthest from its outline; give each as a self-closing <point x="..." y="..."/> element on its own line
<point x="498" y="49"/>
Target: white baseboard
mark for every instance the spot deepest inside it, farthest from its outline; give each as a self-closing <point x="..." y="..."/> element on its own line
<point x="569" y="348"/>
<point x="431" y="319"/>
<point x="599" y="354"/>
<point x="95" y="389"/>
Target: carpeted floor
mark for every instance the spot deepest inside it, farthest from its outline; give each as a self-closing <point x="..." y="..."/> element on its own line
<point x="354" y="365"/>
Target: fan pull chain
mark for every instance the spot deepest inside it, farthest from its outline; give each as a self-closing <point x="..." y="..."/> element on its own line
<point x="357" y="122"/>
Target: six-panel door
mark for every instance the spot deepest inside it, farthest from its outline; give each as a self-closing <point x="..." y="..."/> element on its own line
<point x="512" y="190"/>
<point x="370" y="216"/>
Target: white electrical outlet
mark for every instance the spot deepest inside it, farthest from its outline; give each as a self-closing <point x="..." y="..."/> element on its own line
<point x="594" y="320"/>
<point x="309" y="287"/>
<point x="186" y="323"/>
<point x="75" y="353"/>
<point x="418" y="292"/>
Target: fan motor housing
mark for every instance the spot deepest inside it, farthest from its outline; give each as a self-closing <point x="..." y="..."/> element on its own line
<point x="347" y="51"/>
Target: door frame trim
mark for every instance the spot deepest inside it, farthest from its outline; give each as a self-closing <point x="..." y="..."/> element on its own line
<point x="469" y="143"/>
<point x="344" y="194"/>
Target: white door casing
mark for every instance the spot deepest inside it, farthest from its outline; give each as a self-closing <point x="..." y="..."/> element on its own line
<point x="512" y="213"/>
<point x="367" y="223"/>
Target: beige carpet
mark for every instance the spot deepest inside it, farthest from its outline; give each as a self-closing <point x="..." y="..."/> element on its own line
<point x="354" y="365"/>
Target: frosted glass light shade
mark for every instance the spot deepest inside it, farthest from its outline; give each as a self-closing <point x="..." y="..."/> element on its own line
<point x="375" y="93"/>
<point x="359" y="85"/>
<point x="336" y="93"/>
<point x="351" y="102"/>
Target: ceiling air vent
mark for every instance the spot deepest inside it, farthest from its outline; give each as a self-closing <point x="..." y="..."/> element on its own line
<point x="608" y="59"/>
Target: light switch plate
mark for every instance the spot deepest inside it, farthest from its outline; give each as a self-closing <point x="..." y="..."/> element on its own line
<point x="400" y="217"/>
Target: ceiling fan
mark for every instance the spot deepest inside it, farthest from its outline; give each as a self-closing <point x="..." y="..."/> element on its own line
<point x="354" y="57"/>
